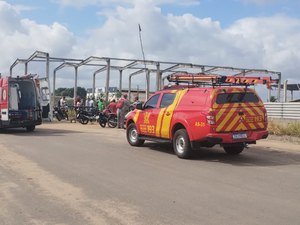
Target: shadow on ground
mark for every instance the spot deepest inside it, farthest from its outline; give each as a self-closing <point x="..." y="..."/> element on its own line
<point x="38" y="132"/>
<point x="252" y="156"/>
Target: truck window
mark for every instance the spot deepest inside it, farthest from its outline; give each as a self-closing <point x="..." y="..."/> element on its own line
<point x="241" y="97"/>
<point x="152" y="102"/>
<point x="167" y="100"/>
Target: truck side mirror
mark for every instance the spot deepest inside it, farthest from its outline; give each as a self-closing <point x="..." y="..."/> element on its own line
<point x="139" y="106"/>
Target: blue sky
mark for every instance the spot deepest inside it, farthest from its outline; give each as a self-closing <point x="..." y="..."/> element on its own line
<point x="261" y="34"/>
<point x="81" y="18"/>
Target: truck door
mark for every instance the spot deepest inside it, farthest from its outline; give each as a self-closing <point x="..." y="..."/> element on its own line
<point x="148" y="116"/>
<point x="167" y="106"/>
<point x="44" y="96"/>
<point x="239" y="111"/>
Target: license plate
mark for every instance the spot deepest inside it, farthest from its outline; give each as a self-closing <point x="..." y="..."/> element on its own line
<point x="239" y="135"/>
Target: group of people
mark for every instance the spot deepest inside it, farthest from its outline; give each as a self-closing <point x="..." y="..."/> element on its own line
<point x="120" y="107"/>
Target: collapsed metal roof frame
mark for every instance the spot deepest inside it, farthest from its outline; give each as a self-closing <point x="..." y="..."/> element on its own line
<point x="136" y="65"/>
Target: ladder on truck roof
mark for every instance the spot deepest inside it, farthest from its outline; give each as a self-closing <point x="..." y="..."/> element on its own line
<point x="220" y="80"/>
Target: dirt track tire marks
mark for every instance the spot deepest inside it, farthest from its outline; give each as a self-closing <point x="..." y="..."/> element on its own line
<point x="29" y="177"/>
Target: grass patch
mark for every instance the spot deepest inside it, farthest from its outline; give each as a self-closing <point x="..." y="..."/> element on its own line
<point x="291" y="128"/>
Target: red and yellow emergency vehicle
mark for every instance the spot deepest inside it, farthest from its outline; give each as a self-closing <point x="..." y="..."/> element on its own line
<point x="20" y="104"/>
<point x="227" y="112"/>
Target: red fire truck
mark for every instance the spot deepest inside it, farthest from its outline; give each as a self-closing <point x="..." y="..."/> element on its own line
<point x="193" y="115"/>
<point x="20" y="102"/>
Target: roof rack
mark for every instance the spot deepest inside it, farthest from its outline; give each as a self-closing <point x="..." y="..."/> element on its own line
<point x="220" y="80"/>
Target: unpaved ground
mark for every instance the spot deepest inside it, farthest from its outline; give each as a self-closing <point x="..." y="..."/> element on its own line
<point x="67" y="173"/>
<point x="27" y="189"/>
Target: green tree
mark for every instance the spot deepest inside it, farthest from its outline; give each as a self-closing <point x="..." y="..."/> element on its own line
<point x="118" y="94"/>
<point x="58" y="92"/>
<point x="81" y="92"/>
<point x="70" y="92"/>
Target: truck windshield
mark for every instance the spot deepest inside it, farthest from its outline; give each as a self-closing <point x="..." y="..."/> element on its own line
<point x="241" y="97"/>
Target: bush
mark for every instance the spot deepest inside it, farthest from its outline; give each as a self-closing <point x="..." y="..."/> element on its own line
<point x="291" y="128"/>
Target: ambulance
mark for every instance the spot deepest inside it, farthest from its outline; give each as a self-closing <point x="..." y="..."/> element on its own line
<point x="202" y="110"/>
<point x="20" y="102"/>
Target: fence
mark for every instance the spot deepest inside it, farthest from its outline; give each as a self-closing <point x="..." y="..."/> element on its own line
<point x="278" y="110"/>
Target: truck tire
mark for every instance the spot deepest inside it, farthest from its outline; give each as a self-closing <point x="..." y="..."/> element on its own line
<point x="133" y="136"/>
<point x="30" y="128"/>
<point x="181" y="144"/>
<point x="234" y="149"/>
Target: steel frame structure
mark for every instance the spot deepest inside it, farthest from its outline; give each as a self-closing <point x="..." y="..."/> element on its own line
<point x="135" y="66"/>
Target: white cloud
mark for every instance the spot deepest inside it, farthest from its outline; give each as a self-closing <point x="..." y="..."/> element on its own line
<point x="21" y="37"/>
<point x="83" y="3"/>
<point x="273" y="41"/>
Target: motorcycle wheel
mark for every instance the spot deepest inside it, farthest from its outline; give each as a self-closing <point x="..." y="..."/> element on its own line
<point x="84" y="121"/>
<point x="112" y="121"/>
<point x="102" y="124"/>
<point x="58" y="117"/>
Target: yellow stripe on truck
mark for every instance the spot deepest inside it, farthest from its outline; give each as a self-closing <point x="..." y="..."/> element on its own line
<point x="233" y="123"/>
<point x="251" y="113"/>
<point x="228" y="115"/>
<point x="165" y="129"/>
<point x="158" y="123"/>
<point x="136" y="116"/>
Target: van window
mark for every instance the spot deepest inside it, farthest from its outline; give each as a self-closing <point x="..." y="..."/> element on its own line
<point x="241" y="97"/>
<point x="167" y="100"/>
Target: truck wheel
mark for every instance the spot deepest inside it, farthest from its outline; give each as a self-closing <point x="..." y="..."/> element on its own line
<point x="234" y="149"/>
<point x="133" y="136"/>
<point x="30" y="128"/>
<point x="181" y="144"/>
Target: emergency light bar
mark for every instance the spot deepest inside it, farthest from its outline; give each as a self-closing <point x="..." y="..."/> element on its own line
<point x="219" y="79"/>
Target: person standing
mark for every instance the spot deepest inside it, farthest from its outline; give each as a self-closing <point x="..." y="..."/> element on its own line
<point x="92" y="103"/>
<point x="122" y="108"/>
<point x="136" y="101"/>
<point x="101" y="105"/>
<point x="62" y="102"/>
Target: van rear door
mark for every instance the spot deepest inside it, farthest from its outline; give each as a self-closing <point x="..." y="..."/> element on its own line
<point x="238" y="110"/>
<point x="44" y="96"/>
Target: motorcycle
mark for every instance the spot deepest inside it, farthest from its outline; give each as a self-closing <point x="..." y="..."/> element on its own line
<point x="107" y="117"/>
<point x="85" y="116"/>
<point x="60" y="113"/>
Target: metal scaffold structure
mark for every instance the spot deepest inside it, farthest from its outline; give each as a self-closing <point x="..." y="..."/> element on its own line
<point x="133" y="67"/>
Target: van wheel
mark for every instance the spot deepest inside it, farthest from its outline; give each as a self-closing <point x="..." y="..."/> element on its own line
<point x="234" y="149"/>
<point x="133" y="136"/>
<point x="181" y="144"/>
<point x="30" y="128"/>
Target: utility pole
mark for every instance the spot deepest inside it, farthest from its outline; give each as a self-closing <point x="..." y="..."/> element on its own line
<point x="145" y="68"/>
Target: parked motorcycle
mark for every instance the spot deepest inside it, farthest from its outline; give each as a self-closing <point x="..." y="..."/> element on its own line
<point x="85" y="116"/>
<point x="60" y="113"/>
<point x="107" y="117"/>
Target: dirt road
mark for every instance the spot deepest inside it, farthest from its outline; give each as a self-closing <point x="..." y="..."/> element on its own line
<point x="67" y="173"/>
